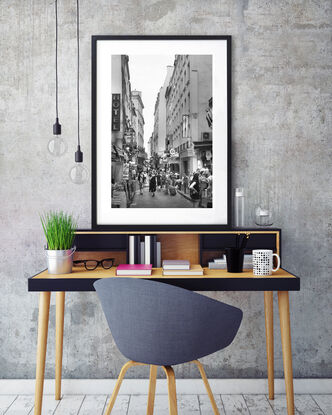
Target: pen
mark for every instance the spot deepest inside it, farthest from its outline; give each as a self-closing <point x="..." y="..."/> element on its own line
<point x="245" y="240"/>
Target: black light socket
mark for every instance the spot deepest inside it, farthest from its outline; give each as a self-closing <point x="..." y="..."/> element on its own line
<point x="78" y="155"/>
<point x="57" y="127"/>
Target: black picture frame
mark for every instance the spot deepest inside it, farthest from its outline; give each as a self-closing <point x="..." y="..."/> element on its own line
<point x="161" y="227"/>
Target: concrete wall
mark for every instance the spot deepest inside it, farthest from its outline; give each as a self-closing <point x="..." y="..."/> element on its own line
<point x="282" y="67"/>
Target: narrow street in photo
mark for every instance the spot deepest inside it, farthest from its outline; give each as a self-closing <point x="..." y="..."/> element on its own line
<point x="162" y="131"/>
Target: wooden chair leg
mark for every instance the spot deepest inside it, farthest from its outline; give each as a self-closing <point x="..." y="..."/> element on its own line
<point x="152" y="389"/>
<point x="123" y="371"/>
<point x="207" y="386"/>
<point x="173" y="409"/>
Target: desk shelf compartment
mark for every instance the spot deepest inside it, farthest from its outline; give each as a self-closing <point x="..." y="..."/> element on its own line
<point x="213" y="245"/>
<point x="89" y="241"/>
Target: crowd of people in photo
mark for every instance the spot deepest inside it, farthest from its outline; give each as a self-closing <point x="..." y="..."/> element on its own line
<point x="197" y="187"/>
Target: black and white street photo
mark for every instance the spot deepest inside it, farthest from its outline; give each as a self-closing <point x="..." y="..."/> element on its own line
<point x="161" y="138"/>
<point x="161" y="131"/>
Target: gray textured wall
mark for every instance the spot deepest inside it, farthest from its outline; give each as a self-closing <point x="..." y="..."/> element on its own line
<point x="282" y="67"/>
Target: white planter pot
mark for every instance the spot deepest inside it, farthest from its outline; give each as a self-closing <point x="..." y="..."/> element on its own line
<point x="60" y="262"/>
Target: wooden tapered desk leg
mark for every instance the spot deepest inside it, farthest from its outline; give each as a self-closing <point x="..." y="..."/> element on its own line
<point x="43" y="316"/>
<point x="268" y="305"/>
<point x="283" y="298"/>
<point x="59" y="317"/>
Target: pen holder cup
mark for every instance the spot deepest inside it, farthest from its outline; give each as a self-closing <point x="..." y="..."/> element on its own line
<point x="234" y="258"/>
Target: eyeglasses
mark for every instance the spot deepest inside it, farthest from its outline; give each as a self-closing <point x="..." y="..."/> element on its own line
<point x="91" y="264"/>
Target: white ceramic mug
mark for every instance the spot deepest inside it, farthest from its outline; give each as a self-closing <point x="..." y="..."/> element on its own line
<point x="262" y="261"/>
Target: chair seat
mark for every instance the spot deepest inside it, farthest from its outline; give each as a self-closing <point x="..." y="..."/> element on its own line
<point x="160" y="324"/>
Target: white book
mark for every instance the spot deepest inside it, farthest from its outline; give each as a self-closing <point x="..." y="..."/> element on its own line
<point x="133" y="273"/>
<point x="133" y="269"/>
<point x="213" y="265"/>
<point x="158" y="262"/>
<point x="176" y="264"/>
<point x="220" y="260"/>
<point x="142" y="247"/>
<point x="216" y="265"/>
<point x="147" y="249"/>
<point x="194" y="270"/>
<point x="131" y="249"/>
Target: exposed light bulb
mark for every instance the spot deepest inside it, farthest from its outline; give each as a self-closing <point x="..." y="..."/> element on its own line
<point x="57" y="146"/>
<point x="79" y="174"/>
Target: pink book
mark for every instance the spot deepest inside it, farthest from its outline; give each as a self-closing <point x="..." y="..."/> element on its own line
<point x="134" y="269"/>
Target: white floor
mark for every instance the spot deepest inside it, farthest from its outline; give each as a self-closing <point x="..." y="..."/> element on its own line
<point x="187" y="404"/>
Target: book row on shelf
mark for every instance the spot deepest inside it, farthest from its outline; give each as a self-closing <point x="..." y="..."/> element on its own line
<point x="145" y="254"/>
<point x="146" y="250"/>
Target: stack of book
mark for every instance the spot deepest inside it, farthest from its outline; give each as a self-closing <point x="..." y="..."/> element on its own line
<point x="134" y="270"/>
<point x="221" y="263"/>
<point x="218" y="263"/>
<point x="247" y="262"/>
<point x="181" y="267"/>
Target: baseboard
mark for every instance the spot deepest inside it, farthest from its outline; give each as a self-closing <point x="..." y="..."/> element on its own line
<point x="183" y="386"/>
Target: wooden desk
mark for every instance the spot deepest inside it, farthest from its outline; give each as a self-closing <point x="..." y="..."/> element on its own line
<point x="213" y="280"/>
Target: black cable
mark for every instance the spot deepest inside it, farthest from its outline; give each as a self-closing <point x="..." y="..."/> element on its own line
<point x="56" y="58"/>
<point x="78" y="72"/>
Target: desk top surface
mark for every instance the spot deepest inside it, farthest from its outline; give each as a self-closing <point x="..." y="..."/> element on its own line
<point x="212" y="280"/>
<point x="99" y="272"/>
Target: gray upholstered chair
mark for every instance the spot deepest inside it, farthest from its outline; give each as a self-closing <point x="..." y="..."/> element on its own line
<point x="158" y="324"/>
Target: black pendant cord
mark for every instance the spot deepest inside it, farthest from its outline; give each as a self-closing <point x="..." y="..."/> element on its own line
<point x="78" y="154"/>
<point x="78" y="73"/>
<point x="56" y="60"/>
<point x="56" y="126"/>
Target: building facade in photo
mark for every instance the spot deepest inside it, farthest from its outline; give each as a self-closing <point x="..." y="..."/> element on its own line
<point x="188" y="97"/>
<point x="150" y="146"/>
<point x="138" y="125"/>
<point x="159" y="131"/>
<point x="121" y="112"/>
<point x="128" y="153"/>
<point x="127" y="122"/>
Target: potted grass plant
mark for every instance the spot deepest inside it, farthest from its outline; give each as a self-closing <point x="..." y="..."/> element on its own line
<point x="59" y="229"/>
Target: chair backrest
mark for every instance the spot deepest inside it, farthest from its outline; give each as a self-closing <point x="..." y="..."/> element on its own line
<point x="160" y="324"/>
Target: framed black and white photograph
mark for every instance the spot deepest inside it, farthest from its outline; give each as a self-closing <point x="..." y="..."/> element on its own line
<point x="161" y="131"/>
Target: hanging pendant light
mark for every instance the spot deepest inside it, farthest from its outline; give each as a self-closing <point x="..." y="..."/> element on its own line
<point x="56" y="146"/>
<point x="78" y="174"/>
